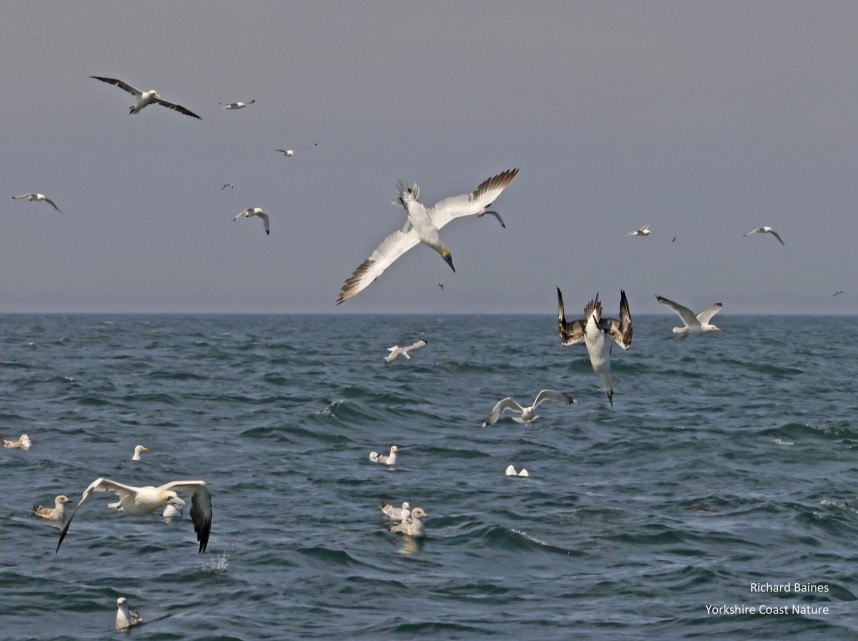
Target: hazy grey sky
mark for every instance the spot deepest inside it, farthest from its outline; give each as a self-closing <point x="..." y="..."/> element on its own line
<point x="703" y="118"/>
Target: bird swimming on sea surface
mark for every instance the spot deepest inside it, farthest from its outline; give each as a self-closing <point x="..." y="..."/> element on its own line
<point x="22" y="443"/>
<point x="137" y="450"/>
<point x="125" y="618"/>
<point x="595" y="332"/>
<point x="396" y="351"/>
<point x="138" y="501"/>
<point x="55" y="513"/>
<point x="526" y="415"/>
<point x="698" y="324"/>
<point x="254" y="211"/>
<point x="396" y="513"/>
<point x="643" y="231"/>
<point x="390" y="459"/>
<point x="765" y="230"/>
<point x="230" y="106"/>
<point x="411" y="525"/>
<point x="145" y="98"/>
<point x="422" y="226"/>
<point x="36" y="197"/>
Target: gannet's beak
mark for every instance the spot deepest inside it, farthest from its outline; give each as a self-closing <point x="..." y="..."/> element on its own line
<point x="445" y="254"/>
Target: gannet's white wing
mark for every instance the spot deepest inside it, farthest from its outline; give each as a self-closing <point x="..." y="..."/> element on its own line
<point x="685" y="314"/>
<point x="706" y="315"/>
<point x="550" y="394"/>
<point x="201" y="507"/>
<point x="98" y="485"/>
<point x="119" y="83"/>
<point x="503" y="404"/>
<point x="571" y="332"/>
<point x="383" y="257"/>
<point x="474" y="203"/>
<point x="175" y="107"/>
<point x="620" y="330"/>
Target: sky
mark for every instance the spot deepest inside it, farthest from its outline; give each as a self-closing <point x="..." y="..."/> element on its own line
<point x="705" y="119"/>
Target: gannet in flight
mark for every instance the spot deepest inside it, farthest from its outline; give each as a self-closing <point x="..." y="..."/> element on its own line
<point x="765" y="230"/>
<point x="396" y="351"/>
<point x="36" y="197"/>
<point x="396" y="513"/>
<point x="235" y="105"/>
<point x="55" y="513"/>
<point x="643" y="231"/>
<point x="23" y="443"/>
<point x="137" y="450"/>
<point x="144" y="500"/>
<point x="145" y="98"/>
<point x="390" y="459"/>
<point x="125" y="618"/>
<point x="595" y="332"/>
<point x="510" y="471"/>
<point x="422" y="226"/>
<point x="254" y="211"/>
<point x="525" y="414"/>
<point x="412" y="524"/>
<point x="693" y="324"/>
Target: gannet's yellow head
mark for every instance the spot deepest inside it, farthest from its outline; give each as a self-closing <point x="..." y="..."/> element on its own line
<point x="445" y="254"/>
<point x="169" y="497"/>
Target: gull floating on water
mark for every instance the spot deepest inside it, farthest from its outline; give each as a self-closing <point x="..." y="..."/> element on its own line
<point x="390" y="459"/>
<point x="138" y="501"/>
<point x="396" y="351"/>
<point x="643" y="231"/>
<point x="510" y="471"/>
<point x="55" y="513"/>
<point x="411" y="525"/>
<point x="235" y="105"/>
<point x="36" y="197"/>
<point x="125" y="618"/>
<point x="254" y="211"/>
<point x="396" y="513"/>
<point x="765" y="230"/>
<point x="23" y="443"/>
<point x="693" y="324"/>
<point x="525" y="414"/>
<point x="422" y="227"/>
<point x="594" y="331"/>
<point x="145" y="98"/>
<point x="137" y="450"/>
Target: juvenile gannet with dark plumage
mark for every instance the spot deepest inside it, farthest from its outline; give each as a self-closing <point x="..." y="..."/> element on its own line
<point x="526" y="415"/>
<point x="693" y="324"/>
<point x="125" y="618"/>
<point x="422" y="226"/>
<point x="145" y="98"/>
<point x="597" y="334"/>
<point x="55" y="513"/>
<point x="144" y="500"/>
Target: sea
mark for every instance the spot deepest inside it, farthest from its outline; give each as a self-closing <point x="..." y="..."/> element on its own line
<point x="716" y="499"/>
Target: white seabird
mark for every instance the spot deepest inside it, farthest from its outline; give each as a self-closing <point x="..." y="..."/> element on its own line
<point x="510" y="471"/>
<point x="36" y="197"/>
<point x="643" y="231"/>
<point x="254" y="211"/>
<point x="286" y="152"/>
<point x="422" y="227"/>
<point x="525" y="414"/>
<point x="411" y="525"/>
<point x="594" y="331"/>
<point x="390" y="459"/>
<point x="145" y="98"/>
<point x="22" y="443"/>
<point x="55" y="513"/>
<point x="138" y="501"/>
<point x="396" y="351"/>
<point x="137" y="450"/>
<point x="396" y="513"/>
<point x="125" y="618"/>
<point x="693" y="324"/>
<point x="765" y="230"/>
<point x="229" y="106"/>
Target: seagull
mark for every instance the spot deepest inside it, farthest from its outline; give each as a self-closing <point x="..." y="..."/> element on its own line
<point x="23" y="443"/>
<point x="525" y="414"/>
<point x="837" y="293"/>
<point x="643" y="231"/>
<point x="145" y="98"/>
<point x="411" y="525"/>
<point x="235" y="105"/>
<point x="594" y="331"/>
<point x="138" y="501"/>
<point x="510" y="471"/>
<point x="390" y="459"/>
<point x="286" y="152"/>
<point x="254" y="211"/>
<point x="674" y="239"/>
<point x="36" y="197"/>
<point x="422" y="226"/>
<point x="693" y="324"/>
<point x="313" y="146"/>
<point x="396" y="351"/>
<point x="441" y="285"/>
<point x="125" y="618"/>
<point x="225" y="185"/>
<point x="765" y="230"/>
<point x="137" y="450"/>
<point x="55" y="513"/>
<point x="396" y="513"/>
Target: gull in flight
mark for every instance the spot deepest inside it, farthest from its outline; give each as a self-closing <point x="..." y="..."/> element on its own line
<point x="693" y="324"/>
<point x="643" y="231"/>
<point x="225" y="185"/>
<point x="765" y="230"/>
<point x="286" y="152"/>
<point x="254" y="211"/>
<point x="23" y="443"/>
<point x="125" y="618"/>
<point x="597" y="334"/>
<point x="396" y="513"/>
<point x="411" y="525"/>
<point x="145" y="98"/>
<point x="55" y="513"/>
<point x="35" y="197"/>
<point x="837" y="293"/>
<point x="510" y="471"/>
<point x="138" y="501"/>
<point x="229" y="106"/>
<point x="137" y="450"/>
<point x="526" y="415"/>
<point x="390" y="459"/>
<point x="396" y="351"/>
<point x="422" y="227"/>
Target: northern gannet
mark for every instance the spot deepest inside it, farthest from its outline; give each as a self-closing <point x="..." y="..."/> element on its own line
<point x="396" y="351"/>
<point x="229" y="106"/>
<point x="125" y="618"/>
<point x="422" y="226"/>
<point x="693" y="324"/>
<point x="396" y="513"/>
<point x="390" y="459"/>
<point x="411" y="525"/>
<point x="643" y="231"/>
<point x="765" y="230"/>
<point x="137" y="450"/>
<point x="36" y="197"/>
<point x="145" y="98"/>
<point x="22" y="443"/>
<point x="525" y="414"/>
<point x="254" y="211"/>
<point x="55" y="513"/>
<point x="595" y="332"/>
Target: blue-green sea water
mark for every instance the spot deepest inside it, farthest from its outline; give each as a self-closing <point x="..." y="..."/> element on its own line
<point x="728" y="461"/>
